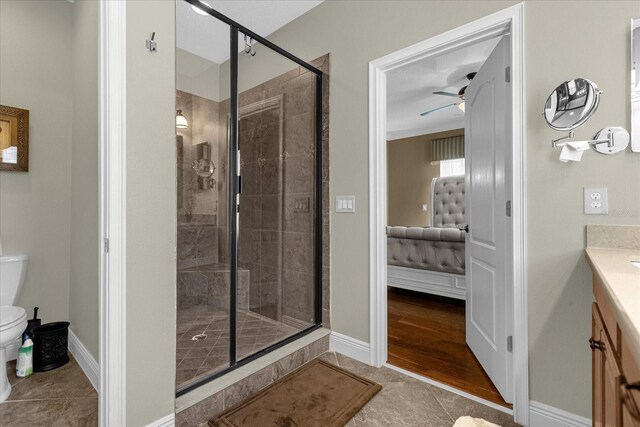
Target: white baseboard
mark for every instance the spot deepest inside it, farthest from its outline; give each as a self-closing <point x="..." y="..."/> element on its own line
<point x="351" y="347"/>
<point x="541" y="415"/>
<point x="86" y="361"/>
<point x="168" y="421"/>
<point x="430" y="282"/>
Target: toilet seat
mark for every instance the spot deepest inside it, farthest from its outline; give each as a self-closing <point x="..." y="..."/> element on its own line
<point x="11" y="316"/>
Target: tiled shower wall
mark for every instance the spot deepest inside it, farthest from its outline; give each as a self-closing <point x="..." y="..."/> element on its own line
<point x="261" y="219"/>
<point x="277" y="206"/>
<point x="198" y="208"/>
<point x="276" y="240"/>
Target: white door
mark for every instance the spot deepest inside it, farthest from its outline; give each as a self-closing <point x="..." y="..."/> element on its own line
<point x="487" y="142"/>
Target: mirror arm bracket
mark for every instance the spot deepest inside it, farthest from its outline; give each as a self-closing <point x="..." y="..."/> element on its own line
<point x="556" y="143"/>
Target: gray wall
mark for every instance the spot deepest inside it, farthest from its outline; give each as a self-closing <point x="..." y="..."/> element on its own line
<point x="559" y="278"/>
<point x="151" y="213"/>
<point x="50" y="67"/>
<point x="409" y="176"/>
<point x="84" y="259"/>
<point x="197" y="75"/>
<point x="36" y="74"/>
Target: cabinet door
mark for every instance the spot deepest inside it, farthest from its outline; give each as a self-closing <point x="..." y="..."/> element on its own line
<point x="630" y="392"/>
<point x="607" y="379"/>
<point x="630" y="415"/>
<point x="612" y="380"/>
<point x="597" y="370"/>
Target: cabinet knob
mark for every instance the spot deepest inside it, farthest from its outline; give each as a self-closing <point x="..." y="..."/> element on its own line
<point x="595" y="344"/>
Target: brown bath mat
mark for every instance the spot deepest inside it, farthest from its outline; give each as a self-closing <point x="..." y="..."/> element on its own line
<point x="318" y="394"/>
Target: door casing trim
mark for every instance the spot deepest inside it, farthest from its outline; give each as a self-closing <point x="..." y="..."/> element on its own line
<point x="112" y="212"/>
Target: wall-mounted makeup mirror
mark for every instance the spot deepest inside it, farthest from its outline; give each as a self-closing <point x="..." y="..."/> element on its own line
<point x="635" y="84"/>
<point x="571" y="104"/>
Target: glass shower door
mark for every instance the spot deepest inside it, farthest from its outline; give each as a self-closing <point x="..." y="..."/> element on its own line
<point x="276" y="226"/>
<point x="249" y="218"/>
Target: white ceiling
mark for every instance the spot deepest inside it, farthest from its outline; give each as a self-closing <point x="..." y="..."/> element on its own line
<point x="207" y="37"/>
<point x="409" y="91"/>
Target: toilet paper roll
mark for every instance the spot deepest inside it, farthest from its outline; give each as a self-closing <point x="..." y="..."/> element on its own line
<point x="568" y="154"/>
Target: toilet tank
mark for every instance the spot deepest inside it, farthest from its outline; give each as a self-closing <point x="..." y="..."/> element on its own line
<point x="13" y="271"/>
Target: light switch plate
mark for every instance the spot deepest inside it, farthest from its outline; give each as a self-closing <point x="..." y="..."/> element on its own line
<point x="301" y="205"/>
<point x="345" y="204"/>
<point x="596" y="201"/>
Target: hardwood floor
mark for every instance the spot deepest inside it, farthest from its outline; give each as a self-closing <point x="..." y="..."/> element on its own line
<point x="427" y="336"/>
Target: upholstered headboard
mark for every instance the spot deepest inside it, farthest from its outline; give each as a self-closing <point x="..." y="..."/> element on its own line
<point x="447" y="202"/>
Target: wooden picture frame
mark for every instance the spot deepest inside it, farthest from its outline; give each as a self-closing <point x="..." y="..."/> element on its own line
<point x="14" y="132"/>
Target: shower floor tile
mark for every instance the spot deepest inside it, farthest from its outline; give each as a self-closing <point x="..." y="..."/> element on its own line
<point x="195" y="359"/>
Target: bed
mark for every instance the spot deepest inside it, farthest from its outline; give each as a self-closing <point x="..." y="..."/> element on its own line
<point x="432" y="259"/>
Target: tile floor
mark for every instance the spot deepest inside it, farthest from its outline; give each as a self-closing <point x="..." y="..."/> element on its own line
<point x="60" y="397"/>
<point x="65" y="397"/>
<point x="407" y="402"/>
<point x="195" y="359"/>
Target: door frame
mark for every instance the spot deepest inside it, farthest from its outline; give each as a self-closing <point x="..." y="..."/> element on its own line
<point x="506" y="21"/>
<point x="112" y="211"/>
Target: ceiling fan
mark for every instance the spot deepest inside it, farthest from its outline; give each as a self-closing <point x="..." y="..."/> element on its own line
<point x="459" y="95"/>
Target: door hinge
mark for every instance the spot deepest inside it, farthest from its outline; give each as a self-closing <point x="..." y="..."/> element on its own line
<point x="507" y="74"/>
<point x="509" y="208"/>
<point x="106" y="245"/>
<point x="510" y="344"/>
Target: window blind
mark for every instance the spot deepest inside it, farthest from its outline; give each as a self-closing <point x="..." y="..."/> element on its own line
<point x="447" y="148"/>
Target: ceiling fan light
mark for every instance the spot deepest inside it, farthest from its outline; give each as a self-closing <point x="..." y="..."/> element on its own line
<point x="461" y="106"/>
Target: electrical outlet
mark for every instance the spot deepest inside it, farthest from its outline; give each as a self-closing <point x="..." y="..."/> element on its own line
<point x="596" y="201"/>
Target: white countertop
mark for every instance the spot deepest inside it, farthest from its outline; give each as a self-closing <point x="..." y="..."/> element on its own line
<point x="621" y="281"/>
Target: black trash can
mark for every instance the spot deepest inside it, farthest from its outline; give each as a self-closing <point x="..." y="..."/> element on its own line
<point x="50" y="346"/>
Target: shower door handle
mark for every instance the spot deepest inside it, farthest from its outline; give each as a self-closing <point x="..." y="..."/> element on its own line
<point x="239" y="184"/>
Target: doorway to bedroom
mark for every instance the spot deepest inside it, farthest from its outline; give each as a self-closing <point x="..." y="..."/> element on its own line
<point x="457" y="266"/>
<point x="426" y="218"/>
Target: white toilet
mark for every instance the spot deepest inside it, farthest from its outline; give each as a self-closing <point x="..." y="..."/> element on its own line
<point x="13" y="319"/>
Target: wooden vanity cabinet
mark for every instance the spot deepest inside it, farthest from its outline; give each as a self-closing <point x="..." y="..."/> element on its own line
<point x="615" y="372"/>
<point x="607" y="408"/>
<point x="631" y="387"/>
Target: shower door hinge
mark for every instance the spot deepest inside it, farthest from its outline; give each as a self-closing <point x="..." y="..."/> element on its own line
<point x="106" y="245"/>
<point x="507" y="74"/>
<point x="509" y="208"/>
<point x="510" y="344"/>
